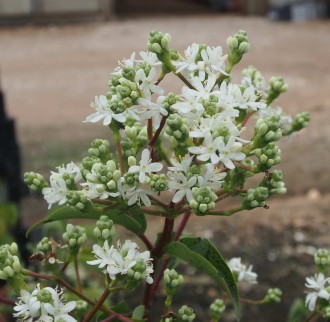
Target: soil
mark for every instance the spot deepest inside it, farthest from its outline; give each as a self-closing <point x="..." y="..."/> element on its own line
<point x="50" y="74"/>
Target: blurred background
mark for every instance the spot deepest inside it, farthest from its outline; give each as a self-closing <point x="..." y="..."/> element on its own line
<point x="55" y="56"/>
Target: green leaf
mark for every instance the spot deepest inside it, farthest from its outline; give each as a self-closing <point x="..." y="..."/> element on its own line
<point x="121" y="307"/>
<point x="204" y="256"/>
<point x="298" y="311"/>
<point x="138" y="313"/>
<point x="118" y="216"/>
<point x="140" y="217"/>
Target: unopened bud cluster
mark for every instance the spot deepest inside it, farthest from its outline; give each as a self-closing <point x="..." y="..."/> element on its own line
<point x="238" y="45"/>
<point x="186" y="313"/>
<point x="268" y="156"/>
<point x="322" y="260"/>
<point x="204" y="200"/>
<point x="216" y="309"/>
<point x="273" y="296"/>
<point x="255" y="198"/>
<point x="172" y="280"/>
<point x="10" y="265"/>
<point x="104" y="230"/>
<point x="35" y="181"/>
<point x="75" y="236"/>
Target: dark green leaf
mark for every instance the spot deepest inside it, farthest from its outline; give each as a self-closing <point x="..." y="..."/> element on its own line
<point x="118" y="215"/>
<point x="203" y="255"/>
<point x="140" y="217"/>
<point x="121" y="307"/>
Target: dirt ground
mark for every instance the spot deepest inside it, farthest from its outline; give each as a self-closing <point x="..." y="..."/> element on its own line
<point x="50" y="75"/>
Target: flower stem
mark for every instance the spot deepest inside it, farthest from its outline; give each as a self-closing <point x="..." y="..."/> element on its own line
<point x="157" y="133"/>
<point x="97" y="305"/>
<point x="119" y="152"/>
<point x="76" y="267"/>
<point x="6" y="301"/>
<point x="228" y="212"/>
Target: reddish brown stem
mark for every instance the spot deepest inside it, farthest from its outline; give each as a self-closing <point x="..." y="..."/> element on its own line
<point x="97" y="306"/>
<point x="159" y="130"/>
<point x="182" y="225"/>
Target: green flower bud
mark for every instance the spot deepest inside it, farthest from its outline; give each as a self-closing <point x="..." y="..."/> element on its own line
<point x="10" y="267"/>
<point x="74" y="236"/>
<point x="172" y="281"/>
<point x="158" y="182"/>
<point x="128" y="73"/>
<point x="322" y="260"/>
<point x="216" y="309"/>
<point x="44" y="245"/>
<point x="238" y="46"/>
<point x="204" y="200"/>
<point x="100" y="149"/>
<point x="300" y="121"/>
<point x="169" y="100"/>
<point x="186" y="313"/>
<point x="273" y="296"/>
<point x="255" y="198"/>
<point x="35" y="181"/>
<point x="44" y="296"/>
<point x="131" y="161"/>
<point x="81" y="305"/>
<point x="277" y="86"/>
<point x="326" y="312"/>
<point x="274" y="183"/>
<point x="78" y="200"/>
<point x="268" y="156"/>
<point x="131" y="179"/>
<point x="158" y="42"/>
<point x="104" y="230"/>
<point x="266" y="131"/>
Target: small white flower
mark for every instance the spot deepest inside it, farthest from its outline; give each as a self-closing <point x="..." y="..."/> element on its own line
<point x="247" y="99"/>
<point x="182" y="166"/>
<point x="190" y="62"/>
<point x="189" y="104"/>
<point x="147" y="109"/>
<point x="59" y="311"/>
<point x="214" y="61"/>
<point x="119" y="261"/>
<point x="57" y="191"/>
<point x="136" y="195"/>
<point x="126" y="62"/>
<point x="211" y="178"/>
<point x="244" y="273"/>
<point x="72" y="169"/>
<point x="103" y="112"/>
<point x="146" y="84"/>
<point x="203" y="90"/>
<point x="149" y="58"/>
<point x="182" y="186"/>
<point x="318" y="284"/>
<point x="285" y="120"/>
<point x="146" y="166"/>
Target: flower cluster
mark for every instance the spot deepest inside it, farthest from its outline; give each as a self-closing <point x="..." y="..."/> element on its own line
<point x="126" y="259"/>
<point x="43" y="304"/>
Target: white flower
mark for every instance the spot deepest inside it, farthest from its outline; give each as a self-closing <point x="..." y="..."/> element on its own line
<point x="318" y="284"/>
<point x="30" y="308"/>
<point x="189" y="104"/>
<point x="72" y="169"/>
<point x="94" y="190"/>
<point x="57" y="191"/>
<point x="135" y="195"/>
<point x="146" y="84"/>
<point x="145" y="166"/>
<point x="182" y="166"/>
<point x="182" y="186"/>
<point x="147" y="109"/>
<point x="190" y="62"/>
<point x="243" y="273"/>
<point x="119" y="261"/>
<point x="216" y="150"/>
<point x="211" y="178"/>
<point x="59" y="311"/>
<point x="149" y="58"/>
<point x="126" y="62"/>
<point x="203" y="90"/>
<point x="214" y="61"/>
<point x="247" y="99"/>
<point x="104" y="112"/>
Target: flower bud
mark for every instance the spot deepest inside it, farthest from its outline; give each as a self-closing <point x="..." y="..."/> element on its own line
<point x="204" y="200"/>
<point x="216" y="309"/>
<point x="74" y="236"/>
<point x="104" y="230"/>
<point x="273" y="296"/>
<point x="35" y="181"/>
<point x="255" y="198"/>
<point x="322" y="260"/>
<point x="186" y="313"/>
<point x="172" y="281"/>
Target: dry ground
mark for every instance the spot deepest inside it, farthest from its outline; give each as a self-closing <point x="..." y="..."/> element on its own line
<point x="50" y="74"/>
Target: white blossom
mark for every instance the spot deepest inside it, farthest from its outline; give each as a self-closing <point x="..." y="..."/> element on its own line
<point x="126" y="62"/>
<point x="182" y="186"/>
<point x="103" y="112"/>
<point x="146" y="166"/>
<point x="318" y="284"/>
<point x="244" y="273"/>
<point x="247" y="98"/>
<point x="147" y="109"/>
<point x="146" y="84"/>
<point x="72" y="169"/>
<point x="57" y="191"/>
<point x="119" y="261"/>
<point x="149" y="58"/>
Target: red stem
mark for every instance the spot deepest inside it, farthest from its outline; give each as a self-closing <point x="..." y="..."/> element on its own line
<point x="97" y="305"/>
<point x="159" y="130"/>
<point x="146" y="241"/>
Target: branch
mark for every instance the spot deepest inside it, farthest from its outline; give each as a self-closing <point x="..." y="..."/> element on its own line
<point x="97" y="305"/>
<point x="157" y="133"/>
